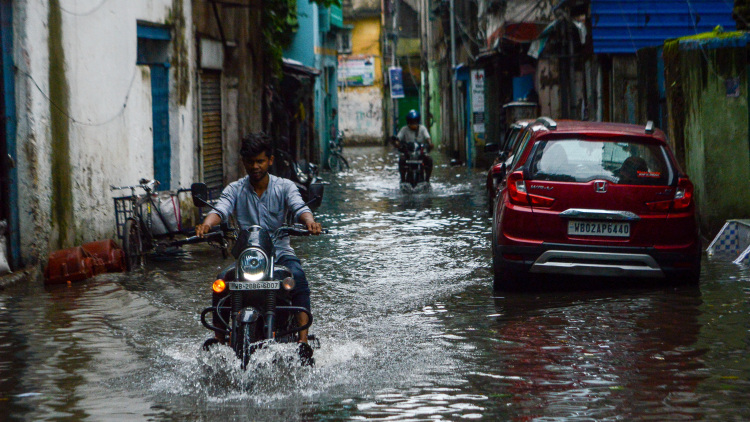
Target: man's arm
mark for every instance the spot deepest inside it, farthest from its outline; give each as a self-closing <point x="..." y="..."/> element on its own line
<point x="308" y="220"/>
<point x="224" y="205"/>
<point x="427" y="138"/>
<point x="211" y="220"/>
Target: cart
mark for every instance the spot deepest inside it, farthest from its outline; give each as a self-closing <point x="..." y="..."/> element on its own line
<point x="151" y="223"/>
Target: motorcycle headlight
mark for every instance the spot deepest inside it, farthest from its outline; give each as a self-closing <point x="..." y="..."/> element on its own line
<point x="252" y="264"/>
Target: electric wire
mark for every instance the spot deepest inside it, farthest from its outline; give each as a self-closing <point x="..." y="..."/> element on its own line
<point x="73" y="119"/>
<point x="91" y="11"/>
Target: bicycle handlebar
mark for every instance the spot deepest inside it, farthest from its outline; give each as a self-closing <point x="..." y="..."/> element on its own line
<point x="145" y="184"/>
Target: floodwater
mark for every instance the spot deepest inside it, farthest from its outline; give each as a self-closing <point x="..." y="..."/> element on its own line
<point x="409" y="326"/>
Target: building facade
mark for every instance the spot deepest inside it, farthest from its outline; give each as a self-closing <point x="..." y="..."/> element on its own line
<point x="107" y="94"/>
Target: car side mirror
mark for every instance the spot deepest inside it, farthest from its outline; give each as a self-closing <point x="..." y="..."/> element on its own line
<point x="199" y="192"/>
<point x="492" y="147"/>
<point x="498" y="174"/>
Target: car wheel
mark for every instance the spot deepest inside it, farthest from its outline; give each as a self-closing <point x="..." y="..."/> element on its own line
<point x="691" y="278"/>
<point x="503" y="280"/>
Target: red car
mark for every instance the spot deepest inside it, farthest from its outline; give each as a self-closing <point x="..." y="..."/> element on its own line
<point x="606" y="200"/>
<point x="504" y="155"/>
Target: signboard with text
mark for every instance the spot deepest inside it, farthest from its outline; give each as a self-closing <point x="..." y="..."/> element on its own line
<point x="477" y="101"/>
<point x="356" y="71"/>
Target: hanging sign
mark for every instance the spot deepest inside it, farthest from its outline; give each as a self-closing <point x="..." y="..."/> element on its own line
<point x="477" y="100"/>
<point x="397" y="82"/>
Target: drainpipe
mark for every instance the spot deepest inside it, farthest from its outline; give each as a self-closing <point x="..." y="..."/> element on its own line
<point x="394" y="42"/>
<point x="599" y="95"/>
<point x="454" y="105"/>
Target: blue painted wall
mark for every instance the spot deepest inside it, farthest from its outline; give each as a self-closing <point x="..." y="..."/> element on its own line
<point x="9" y="106"/>
<point x="302" y="48"/>
<point x="314" y="46"/>
<point x="624" y="26"/>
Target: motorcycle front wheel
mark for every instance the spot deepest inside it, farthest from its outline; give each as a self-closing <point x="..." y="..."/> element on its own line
<point x="245" y="346"/>
<point x="132" y="245"/>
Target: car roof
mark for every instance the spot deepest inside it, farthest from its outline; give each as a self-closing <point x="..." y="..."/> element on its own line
<point x="608" y="129"/>
<point x="521" y="124"/>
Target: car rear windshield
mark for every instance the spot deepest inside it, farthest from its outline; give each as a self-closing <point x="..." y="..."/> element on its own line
<point x="584" y="160"/>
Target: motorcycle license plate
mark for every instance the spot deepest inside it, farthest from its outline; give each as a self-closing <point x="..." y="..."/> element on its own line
<point x="413" y="161"/>
<point x="254" y="285"/>
<point x="598" y="228"/>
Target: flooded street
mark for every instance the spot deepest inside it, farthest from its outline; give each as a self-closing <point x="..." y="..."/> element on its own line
<point x="409" y="330"/>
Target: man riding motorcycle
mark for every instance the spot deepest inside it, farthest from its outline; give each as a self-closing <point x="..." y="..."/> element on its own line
<point x="263" y="199"/>
<point x="413" y="131"/>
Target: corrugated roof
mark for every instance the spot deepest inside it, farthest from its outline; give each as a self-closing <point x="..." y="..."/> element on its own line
<point x="624" y="26"/>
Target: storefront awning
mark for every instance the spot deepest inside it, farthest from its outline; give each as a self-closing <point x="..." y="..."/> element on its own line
<point x="293" y="66"/>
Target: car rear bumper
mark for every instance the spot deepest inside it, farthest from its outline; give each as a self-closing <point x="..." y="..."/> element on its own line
<point x="598" y="261"/>
<point x="611" y="264"/>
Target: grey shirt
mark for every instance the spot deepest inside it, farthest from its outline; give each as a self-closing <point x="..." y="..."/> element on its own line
<point x="407" y="135"/>
<point x="268" y="211"/>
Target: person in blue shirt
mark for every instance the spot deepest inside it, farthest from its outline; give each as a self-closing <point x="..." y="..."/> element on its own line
<point x="263" y="199"/>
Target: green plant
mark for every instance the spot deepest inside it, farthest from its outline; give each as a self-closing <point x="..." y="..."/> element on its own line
<point x="280" y="24"/>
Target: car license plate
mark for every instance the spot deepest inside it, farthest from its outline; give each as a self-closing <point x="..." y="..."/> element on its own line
<point x="598" y="228"/>
<point x="413" y="161"/>
<point x="254" y="285"/>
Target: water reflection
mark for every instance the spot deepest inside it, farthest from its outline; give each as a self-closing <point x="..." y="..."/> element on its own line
<point x="409" y="330"/>
<point x="623" y="353"/>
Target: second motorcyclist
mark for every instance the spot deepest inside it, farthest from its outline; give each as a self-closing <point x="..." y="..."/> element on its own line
<point x="263" y="199"/>
<point x="413" y="132"/>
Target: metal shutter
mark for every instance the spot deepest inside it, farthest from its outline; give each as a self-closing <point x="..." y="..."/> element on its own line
<point x="213" y="169"/>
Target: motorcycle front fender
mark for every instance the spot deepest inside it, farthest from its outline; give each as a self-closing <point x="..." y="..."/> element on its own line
<point x="248" y="315"/>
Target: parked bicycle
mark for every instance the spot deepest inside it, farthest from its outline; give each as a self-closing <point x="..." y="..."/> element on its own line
<point x="336" y="161"/>
<point x="152" y="222"/>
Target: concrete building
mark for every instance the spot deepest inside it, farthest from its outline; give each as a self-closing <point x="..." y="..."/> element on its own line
<point x="708" y="123"/>
<point x="360" y="78"/>
<point x="109" y="93"/>
<point x="314" y="46"/>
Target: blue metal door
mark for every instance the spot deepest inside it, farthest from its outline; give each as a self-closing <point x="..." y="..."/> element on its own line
<point x="8" y="172"/>
<point x="160" y="110"/>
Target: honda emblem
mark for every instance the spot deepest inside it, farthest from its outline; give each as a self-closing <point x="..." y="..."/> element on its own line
<point x="601" y="187"/>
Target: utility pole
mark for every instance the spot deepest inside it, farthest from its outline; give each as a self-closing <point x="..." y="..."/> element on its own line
<point x="394" y="41"/>
<point x="454" y="100"/>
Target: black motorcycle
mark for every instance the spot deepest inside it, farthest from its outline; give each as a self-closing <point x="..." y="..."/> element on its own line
<point x="414" y="154"/>
<point x="304" y="175"/>
<point x="251" y="304"/>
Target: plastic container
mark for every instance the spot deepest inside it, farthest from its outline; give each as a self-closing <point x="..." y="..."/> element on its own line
<point x="66" y="265"/>
<point x="107" y="251"/>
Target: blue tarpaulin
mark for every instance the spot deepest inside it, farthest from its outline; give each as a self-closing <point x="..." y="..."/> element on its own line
<point x="624" y="26"/>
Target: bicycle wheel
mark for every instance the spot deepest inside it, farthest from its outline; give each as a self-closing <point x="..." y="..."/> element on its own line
<point x="131" y="244"/>
<point x="337" y="162"/>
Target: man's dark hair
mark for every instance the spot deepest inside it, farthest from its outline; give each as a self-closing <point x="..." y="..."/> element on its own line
<point x="255" y="143"/>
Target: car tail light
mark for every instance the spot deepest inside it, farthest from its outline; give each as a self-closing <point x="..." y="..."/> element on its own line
<point x="519" y="196"/>
<point x="683" y="197"/>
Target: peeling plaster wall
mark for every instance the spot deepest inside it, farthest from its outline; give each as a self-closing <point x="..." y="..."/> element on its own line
<point x="89" y="120"/>
<point x="361" y="114"/>
<point x="717" y="152"/>
<point x="361" y="108"/>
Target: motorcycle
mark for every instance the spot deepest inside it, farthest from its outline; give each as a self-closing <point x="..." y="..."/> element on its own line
<point x="251" y="302"/>
<point x="304" y="175"/>
<point x="415" y="174"/>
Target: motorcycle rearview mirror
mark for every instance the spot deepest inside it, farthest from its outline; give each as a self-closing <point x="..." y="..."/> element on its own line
<point x="199" y="191"/>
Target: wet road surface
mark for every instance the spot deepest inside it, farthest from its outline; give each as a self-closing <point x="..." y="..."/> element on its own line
<point x="409" y="326"/>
